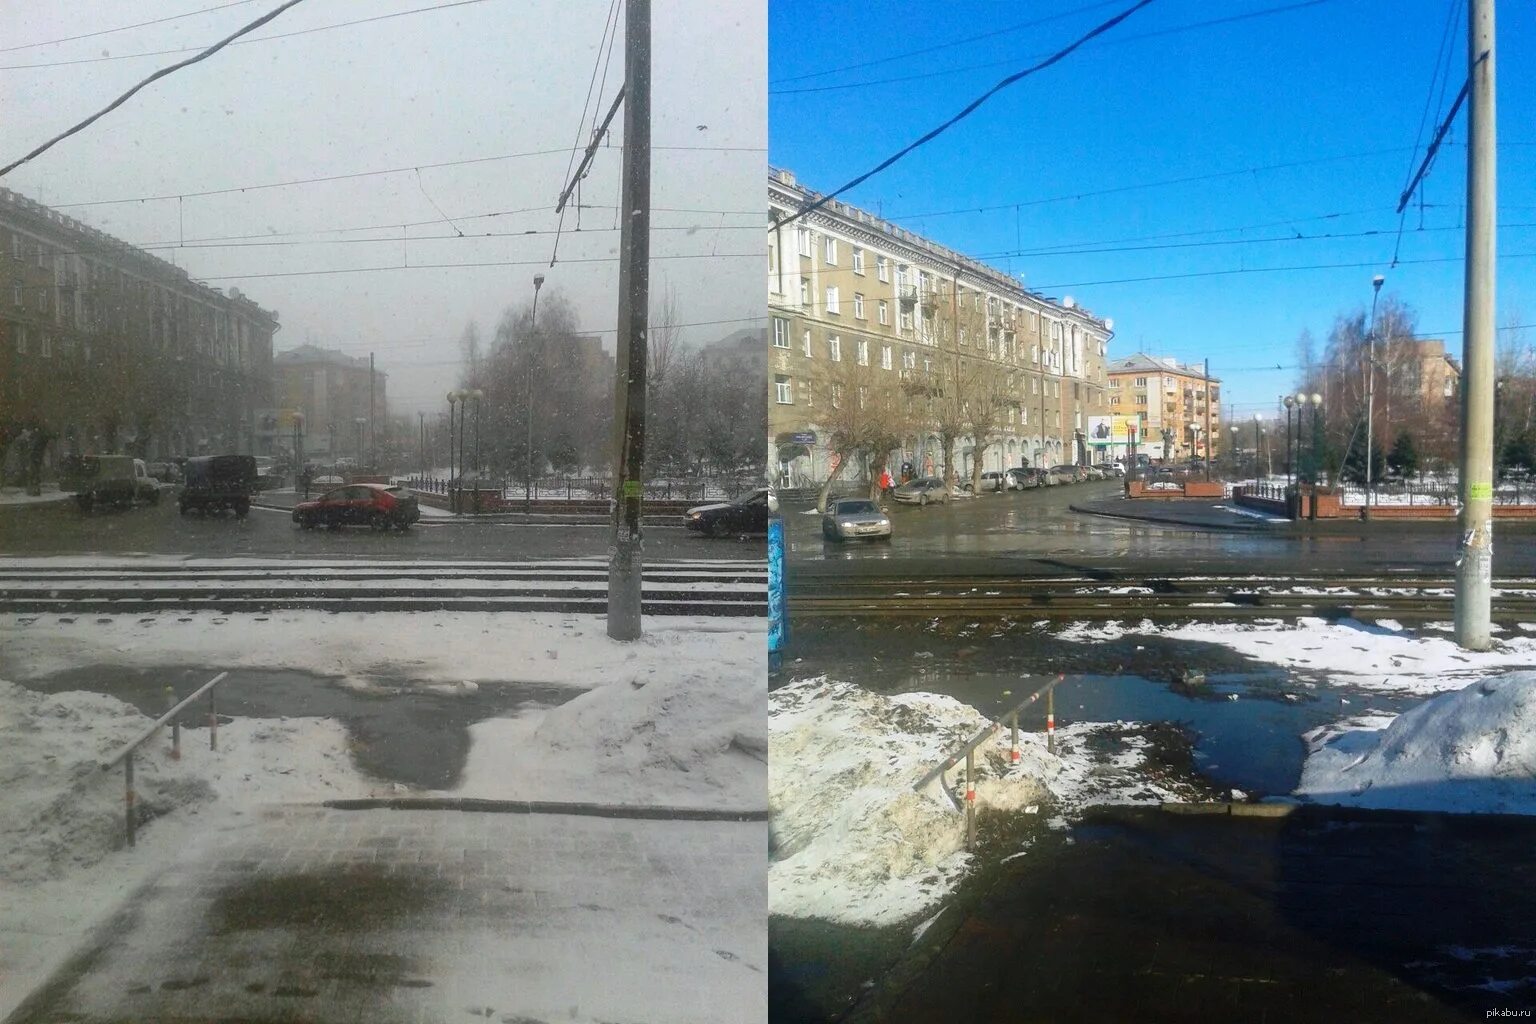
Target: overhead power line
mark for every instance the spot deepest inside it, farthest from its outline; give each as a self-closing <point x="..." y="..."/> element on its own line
<point x="245" y="42"/>
<point x="1004" y="63"/>
<point x="124" y="28"/>
<point x="163" y="72"/>
<point x="387" y="170"/>
<point x="471" y="266"/>
<point x="971" y="108"/>
<point x="1272" y="270"/>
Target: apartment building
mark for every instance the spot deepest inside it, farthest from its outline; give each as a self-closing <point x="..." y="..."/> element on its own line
<point x="1172" y="406"/>
<point x="106" y="348"/>
<point x="860" y="309"/>
<point x="344" y="401"/>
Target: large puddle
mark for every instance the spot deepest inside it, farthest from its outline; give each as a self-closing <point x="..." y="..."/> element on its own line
<point x="397" y="733"/>
<point x="1245" y="720"/>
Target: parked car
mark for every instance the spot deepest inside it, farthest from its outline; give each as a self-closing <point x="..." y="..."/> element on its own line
<point x="165" y="472"/>
<point x="1095" y="472"/>
<point x="853" y="518"/>
<point x="1070" y="473"/>
<point x="922" y="490"/>
<point x="373" y="505"/>
<point x="1029" y="476"/>
<point x="748" y="514"/>
<point x="218" y="482"/>
<point x="994" y="481"/>
<point x="1113" y="469"/>
<point x="109" y="480"/>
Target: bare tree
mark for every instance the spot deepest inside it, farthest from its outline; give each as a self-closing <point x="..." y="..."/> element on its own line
<point x="988" y="394"/>
<point x="663" y="339"/>
<point x="864" y="413"/>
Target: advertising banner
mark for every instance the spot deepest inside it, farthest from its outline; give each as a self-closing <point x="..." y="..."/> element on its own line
<point x="778" y="599"/>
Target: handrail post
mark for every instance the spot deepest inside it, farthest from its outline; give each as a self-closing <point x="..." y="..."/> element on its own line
<point x="128" y="796"/>
<point x="213" y="722"/>
<point x="970" y="799"/>
<point x="1013" y="752"/>
<point x="170" y="700"/>
<point x="1050" y="720"/>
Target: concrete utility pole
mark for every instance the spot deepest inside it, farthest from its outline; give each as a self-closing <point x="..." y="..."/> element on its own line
<point x="1208" y="421"/>
<point x="1474" y="566"/>
<point x="1370" y="391"/>
<point x="372" y="419"/>
<point x="624" y="565"/>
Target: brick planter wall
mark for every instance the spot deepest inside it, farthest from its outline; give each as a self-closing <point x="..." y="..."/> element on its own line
<point x="1190" y="489"/>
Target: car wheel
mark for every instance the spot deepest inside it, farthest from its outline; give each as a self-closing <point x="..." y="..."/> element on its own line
<point x="922" y="499"/>
<point x="305" y="523"/>
<point x="183" y="509"/>
<point x="379" y="521"/>
<point x="242" y="508"/>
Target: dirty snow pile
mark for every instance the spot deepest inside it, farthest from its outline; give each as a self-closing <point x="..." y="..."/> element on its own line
<point x="1378" y="657"/>
<point x="1472" y="750"/>
<point x="59" y="811"/>
<point x="854" y="843"/>
<point x="696" y="736"/>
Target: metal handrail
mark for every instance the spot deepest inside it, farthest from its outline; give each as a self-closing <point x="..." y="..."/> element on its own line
<point x="125" y="754"/>
<point x="986" y="732"/>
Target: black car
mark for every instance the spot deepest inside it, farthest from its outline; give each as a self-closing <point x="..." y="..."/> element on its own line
<point x="748" y="514"/>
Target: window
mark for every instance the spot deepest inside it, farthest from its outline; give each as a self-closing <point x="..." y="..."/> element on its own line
<point x="1141" y="399"/>
<point x="45" y="345"/>
<point x="42" y="256"/>
<point x="1034" y="353"/>
<point x="803" y="238"/>
<point x="835" y="349"/>
<point x="884" y="309"/>
<point x="42" y="300"/>
<point x="858" y="261"/>
<point x="909" y="360"/>
<point x="862" y="352"/>
<point x="805" y="291"/>
<point x="1114" y="383"/>
<point x="906" y="319"/>
<point x="780" y="332"/>
<point x="17" y="299"/>
<point x="883" y="269"/>
<point x="807" y="340"/>
<point x="885" y="357"/>
<point x="829" y="251"/>
<point x="21" y="340"/>
<point x="858" y="305"/>
<point x="17" y="252"/>
<point x="782" y="391"/>
<point x="1141" y="382"/>
<point x="901" y="279"/>
<point x="837" y="395"/>
<point x="834" y="305"/>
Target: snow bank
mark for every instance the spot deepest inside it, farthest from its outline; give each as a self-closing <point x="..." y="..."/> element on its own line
<point x="692" y="736"/>
<point x="853" y="843"/>
<point x="1473" y="750"/>
<point x="60" y="812"/>
<point x="429" y="647"/>
<point x="1348" y="653"/>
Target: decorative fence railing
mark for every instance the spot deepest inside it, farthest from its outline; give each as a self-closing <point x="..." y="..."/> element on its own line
<point x="588" y="488"/>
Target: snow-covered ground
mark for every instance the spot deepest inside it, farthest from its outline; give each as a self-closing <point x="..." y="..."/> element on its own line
<point x="1353" y="654"/>
<point x="854" y="843"/>
<point x="19" y="496"/>
<point x="1471" y="750"/>
<point x="676" y="718"/>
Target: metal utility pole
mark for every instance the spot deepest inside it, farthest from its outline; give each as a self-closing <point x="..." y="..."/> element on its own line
<point x="533" y="333"/>
<point x="372" y="419"/>
<point x="634" y="304"/>
<point x="1370" y="392"/>
<point x="1208" y="421"/>
<point x="1474" y="566"/>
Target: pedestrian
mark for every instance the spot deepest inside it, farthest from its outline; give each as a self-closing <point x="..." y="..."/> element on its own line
<point x="305" y="477"/>
<point x="885" y="483"/>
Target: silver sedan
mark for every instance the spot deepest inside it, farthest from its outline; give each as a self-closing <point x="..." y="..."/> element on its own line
<point x="853" y="518"/>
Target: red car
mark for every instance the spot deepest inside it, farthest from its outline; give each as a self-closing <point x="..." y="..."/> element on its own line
<point x="373" y="505"/>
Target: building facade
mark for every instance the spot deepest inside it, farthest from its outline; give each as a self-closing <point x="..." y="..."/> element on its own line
<point x="105" y="348"/>
<point x="343" y="401"/>
<point x="874" y="328"/>
<point x="1173" y="407"/>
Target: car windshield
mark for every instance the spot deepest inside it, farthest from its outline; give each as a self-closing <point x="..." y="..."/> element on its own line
<point x="856" y="507"/>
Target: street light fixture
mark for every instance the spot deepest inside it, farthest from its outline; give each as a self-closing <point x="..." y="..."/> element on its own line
<point x="1370" y="394"/>
<point x="533" y="330"/>
<point x="1256" y="445"/>
<point x="1317" y="406"/>
<point x="1234" y="450"/>
<point x="1290" y="464"/>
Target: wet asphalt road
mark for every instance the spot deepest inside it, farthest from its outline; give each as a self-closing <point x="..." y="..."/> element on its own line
<point x="1034" y="532"/>
<point x="60" y="528"/>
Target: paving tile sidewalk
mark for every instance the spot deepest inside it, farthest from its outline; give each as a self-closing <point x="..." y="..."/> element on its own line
<point x="317" y="914"/>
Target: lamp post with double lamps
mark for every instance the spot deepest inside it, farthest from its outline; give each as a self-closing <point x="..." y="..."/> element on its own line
<point x="1317" y="434"/>
<point x="1290" y="465"/>
<point x="1256" y="445"/>
<point x="533" y="330"/>
<point x="453" y="397"/>
<point x="298" y="452"/>
<point x="1236" y="456"/>
<point x="1370" y="392"/>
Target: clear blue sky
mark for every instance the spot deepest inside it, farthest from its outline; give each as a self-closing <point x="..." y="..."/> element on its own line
<point x="1325" y="83"/>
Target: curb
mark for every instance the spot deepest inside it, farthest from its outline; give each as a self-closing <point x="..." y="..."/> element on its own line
<point x="640" y="811"/>
<point x="1168" y="521"/>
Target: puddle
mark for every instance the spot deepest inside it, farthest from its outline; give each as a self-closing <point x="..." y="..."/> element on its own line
<point x="419" y="739"/>
<point x="1252" y="743"/>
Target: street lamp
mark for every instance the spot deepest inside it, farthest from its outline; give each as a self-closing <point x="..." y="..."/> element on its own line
<point x="298" y="452"/>
<point x="1256" y="445"/>
<point x="1234" y="450"/>
<point x="1370" y="393"/>
<point x="454" y="484"/>
<point x="361" y="421"/>
<point x="533" y="331"/>
<point x="1290" y="465"/>
<point x="1317" y="406"/>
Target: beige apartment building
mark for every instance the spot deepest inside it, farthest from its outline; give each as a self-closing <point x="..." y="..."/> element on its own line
<point x="1172" y="405"/>
<point x="861" y="308"/>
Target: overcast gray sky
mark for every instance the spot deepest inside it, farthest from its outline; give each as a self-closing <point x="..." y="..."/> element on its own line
<point x="457" y="81"/>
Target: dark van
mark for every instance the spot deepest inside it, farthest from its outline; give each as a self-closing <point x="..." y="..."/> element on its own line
<point x="217" y="482"/>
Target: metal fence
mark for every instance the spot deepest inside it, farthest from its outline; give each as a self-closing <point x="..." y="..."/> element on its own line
<point x="591" y="488"/>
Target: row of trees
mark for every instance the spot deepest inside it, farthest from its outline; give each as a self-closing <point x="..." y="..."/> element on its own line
<point x="1416" y="419"/>
<point x="704" y="416"/>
